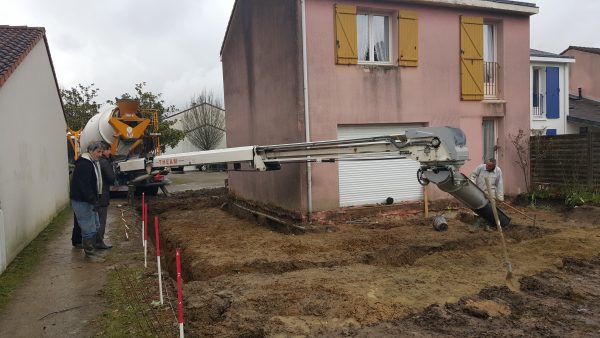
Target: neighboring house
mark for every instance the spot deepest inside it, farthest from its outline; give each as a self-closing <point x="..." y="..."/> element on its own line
<point x="585" y="76"/>
<point x="584" y="115"/>
<point x="185" y="145"/>
<point x="318" y="69"/>
<point x="549" y="92"/>
<point x="584" y="87"/>
<point x="34" y="184"/>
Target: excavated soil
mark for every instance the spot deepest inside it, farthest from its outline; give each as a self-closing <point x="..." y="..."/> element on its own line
<point x="380" y="272"/>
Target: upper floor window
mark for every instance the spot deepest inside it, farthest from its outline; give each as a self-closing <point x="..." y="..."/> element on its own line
<point x="367" y="37"/>
<point x="479" y="69"/>
<point x="545" y="91"/>
<point x="489" y="60"/>
<point x="538" y="91"/>
<point x="373" y="38"/>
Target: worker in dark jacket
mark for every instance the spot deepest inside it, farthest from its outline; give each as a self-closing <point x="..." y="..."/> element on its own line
<point x="86" y="185"/>
<point x="108" y="178"/>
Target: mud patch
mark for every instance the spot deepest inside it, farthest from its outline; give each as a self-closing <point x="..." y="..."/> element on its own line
<point x="520" y="233"/>
<point x="546" y="308"/>
<point x="373" y="274"/>
<point x="586" y="214"/>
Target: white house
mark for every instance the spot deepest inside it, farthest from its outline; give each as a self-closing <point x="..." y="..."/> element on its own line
<point x="34" y="182"/>
<point x="549" y="87"/>
<point x="186" y="145"/>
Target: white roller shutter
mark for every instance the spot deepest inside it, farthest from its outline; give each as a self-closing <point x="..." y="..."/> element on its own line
<point x="370" y="182"/>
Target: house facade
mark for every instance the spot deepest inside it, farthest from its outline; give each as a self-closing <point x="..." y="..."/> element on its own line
<point x="549" y="87"/>
<point x="585" y="76"/>
<point x="297" y="71"/>
<point x="34" y="184"/>
<point x="584" y="87"/>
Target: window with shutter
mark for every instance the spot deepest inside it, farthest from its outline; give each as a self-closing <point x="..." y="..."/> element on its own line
<point x="345" y="35"/>
<point x="552" y="93"/>
<point x="408" y="38"/>
<point x="471" y="58"/>
<point x="373" y="38"/>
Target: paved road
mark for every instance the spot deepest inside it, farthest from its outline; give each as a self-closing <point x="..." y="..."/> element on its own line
<point x="194" y="180"/>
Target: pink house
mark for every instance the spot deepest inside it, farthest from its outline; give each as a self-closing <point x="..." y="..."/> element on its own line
<point x="585" y="75"/>
<point x="309" y="70"/>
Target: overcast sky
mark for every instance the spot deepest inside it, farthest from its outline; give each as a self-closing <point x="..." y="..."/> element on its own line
<point x="174" y="45"/>
<point x="171" y="45"/>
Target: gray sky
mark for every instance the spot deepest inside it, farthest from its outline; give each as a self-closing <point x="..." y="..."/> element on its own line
<point x="564" y="23"/>
<point x="174" y="46"/>
<point x="171" y="45"/>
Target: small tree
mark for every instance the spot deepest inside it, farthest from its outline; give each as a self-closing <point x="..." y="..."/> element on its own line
<point x="521" y="143"/>
<point x="79" y="105"/>
<point x="530" y="149"/>
<point x="148" y="100"/>
<point x="204" y="123"/>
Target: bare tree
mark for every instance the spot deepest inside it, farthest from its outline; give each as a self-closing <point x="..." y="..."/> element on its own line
<point x="204" y="123"/>
<point x="530" y="149"/>
<point x="521" y="143"/>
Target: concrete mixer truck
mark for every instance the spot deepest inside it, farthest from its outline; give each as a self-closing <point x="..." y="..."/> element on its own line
<point x="132" y="142"/>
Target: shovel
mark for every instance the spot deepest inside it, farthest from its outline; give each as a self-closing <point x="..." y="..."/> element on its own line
<point x="511" y="283"/>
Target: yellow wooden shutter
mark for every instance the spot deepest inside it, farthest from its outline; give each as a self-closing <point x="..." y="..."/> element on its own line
<point x="345" y="35"/>
<point x="471" y="58"/>
<point x="408" y="38"/>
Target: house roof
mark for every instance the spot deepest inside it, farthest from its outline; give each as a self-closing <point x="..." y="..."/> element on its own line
<point x="584" y="111"/>
<point x="519" y="7"/>
<point x="15" y="44"/>
<point x="539" y="53"/>
<point x="196" y="106"/>
<point x="583" y="49"/>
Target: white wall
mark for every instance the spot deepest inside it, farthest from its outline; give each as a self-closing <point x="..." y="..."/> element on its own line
<point x="185" y="146"/>
<point x="559" y="124"/>
<point x="34" y="183"/>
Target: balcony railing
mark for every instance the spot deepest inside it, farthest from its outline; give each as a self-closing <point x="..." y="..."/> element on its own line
<point x="538" y="105"/>
<point x="490" y="73"/>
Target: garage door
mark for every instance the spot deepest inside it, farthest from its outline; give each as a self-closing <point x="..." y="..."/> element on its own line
<point x="370" y="182"/>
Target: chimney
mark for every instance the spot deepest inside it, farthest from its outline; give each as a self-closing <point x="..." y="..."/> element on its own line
<point x="579" y="90"/>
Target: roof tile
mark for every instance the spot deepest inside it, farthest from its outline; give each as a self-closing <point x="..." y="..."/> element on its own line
<point x="583" y="49"/>
<point x="15" y="43"/>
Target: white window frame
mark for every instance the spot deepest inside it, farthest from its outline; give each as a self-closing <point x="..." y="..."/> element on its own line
<point x="370" y="15"/>
<point x="541" y="91"/>
<point x="494" y="42"/>
<point x="491" y="58"/>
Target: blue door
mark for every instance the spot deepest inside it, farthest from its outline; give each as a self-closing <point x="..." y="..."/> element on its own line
<point x="552" y="93"/>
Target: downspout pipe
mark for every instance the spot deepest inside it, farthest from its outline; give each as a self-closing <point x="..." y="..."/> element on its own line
<point x="306" y="111"/>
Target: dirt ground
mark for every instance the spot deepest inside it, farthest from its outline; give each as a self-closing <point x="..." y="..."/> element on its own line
<point x="381" y="272"/>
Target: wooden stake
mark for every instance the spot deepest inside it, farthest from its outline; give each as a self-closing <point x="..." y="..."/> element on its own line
<point x="425" y="202"/>
<point x="509" y="274"/>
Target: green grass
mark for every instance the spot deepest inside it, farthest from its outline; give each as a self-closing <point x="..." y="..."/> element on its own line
<point x="26" y="261"/>
<point x="580" y="197"/>
<point x="122" y="317"/>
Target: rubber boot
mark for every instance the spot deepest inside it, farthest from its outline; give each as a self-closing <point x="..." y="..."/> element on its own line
<point x="90" y="251"/>
<point x="100" y="245"/>
<point x="88" y="246"/>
